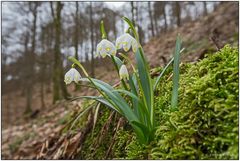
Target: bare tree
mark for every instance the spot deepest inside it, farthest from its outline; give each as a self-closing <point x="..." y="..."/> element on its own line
<point x="178" y="13"/>
<point x="76" y="34"/>
<point x="33" y="6"/>
<point x="160" y="12"/>
<point x="92" y="39"/>
<point x="205" y="8"/>
<point x="151" y="18"/>
<point x="58" y="76"/>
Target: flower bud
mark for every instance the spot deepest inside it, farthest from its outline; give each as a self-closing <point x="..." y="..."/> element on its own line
<point x="123" y="72"/>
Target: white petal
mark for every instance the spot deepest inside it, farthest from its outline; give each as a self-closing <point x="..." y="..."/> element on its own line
<point x="105" y="48"/>
<point x="76" y="75"/>
<point x="123" y="72"/>
<point x="125" y="42"/>
<point x="119" y="42"/>
<point x="68" y="78"/>
<point x="72" y="75"/>
<point x="134" y="45"/>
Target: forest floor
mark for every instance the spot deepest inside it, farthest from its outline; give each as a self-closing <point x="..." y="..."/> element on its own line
<point x="26" y="138"/>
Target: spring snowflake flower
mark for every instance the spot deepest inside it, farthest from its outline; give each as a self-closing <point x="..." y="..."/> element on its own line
<point x="123" y="72"/>
<point x="105" y="48"/>
<point x="72" y="75"/>
<point x="126" y="41"/>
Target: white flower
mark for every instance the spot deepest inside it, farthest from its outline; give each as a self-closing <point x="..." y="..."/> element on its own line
<point x="72" y="75"/>
<point x="126" y="41"/>
<point x="105" y="48"/>
<point x="123" y="72"/>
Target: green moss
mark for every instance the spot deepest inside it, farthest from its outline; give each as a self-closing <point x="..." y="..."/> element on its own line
<point x="97" y="142"/>
<point x="206" y="120"/>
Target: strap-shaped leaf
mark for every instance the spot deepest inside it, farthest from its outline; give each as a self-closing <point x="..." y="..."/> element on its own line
<point x="163" y="71"/>
<point x="174" y="99"/>
<point x="117" y="99"/>
<point x="118" y="61"/>
<point x="145" y="130"/>
<point x="140" y="133"/>
<point x="99" y="99"/>
<point x="135" y="92"/>
<point x="146" y="82"/>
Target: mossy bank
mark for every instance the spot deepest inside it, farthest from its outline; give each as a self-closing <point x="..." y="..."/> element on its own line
<point x="205" y="126"/>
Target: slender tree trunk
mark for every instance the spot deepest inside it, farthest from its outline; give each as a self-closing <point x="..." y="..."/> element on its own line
<point x="61" y="71"/>
<point x="76" y="31"/>
<point x="42" y="71"/>
<point x="132" y="10"/>
<point x="165" y="19"/>
<point x="151" y="18"/>
<point x="58" y="76"/>
<point x="136" y="12"/>
<point x="31" y="58"/>
<point x="205" y="7"/>
<point x="156" y="25"/>
<point x="76" y="35"/>
<point x="56" y="84"/>
<point x="42" y="91"/>
<point x="178" y="13"/>
<point x="92" y="41"/>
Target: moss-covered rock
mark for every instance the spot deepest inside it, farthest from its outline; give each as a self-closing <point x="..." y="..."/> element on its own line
<point x="205" y="126"/>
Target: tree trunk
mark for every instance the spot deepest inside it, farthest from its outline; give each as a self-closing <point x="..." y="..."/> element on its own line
<point x="132" y="10"/>
<point x="151" y="18"/>
<point x="165" y="19"/>
<point x="156" y="24"/>
<point x="58" y="76"/>
<point x="76" y="35"/>
<point x="178" y="13"/>
<point x="76" y="31"/>
<point x="205" y="8"/>
<point x="92" y="41"/>
<point x="31" y="61"/>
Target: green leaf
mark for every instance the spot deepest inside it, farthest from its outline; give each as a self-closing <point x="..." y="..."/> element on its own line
<point x="163" y="71"/>
<point x="133" y="88"/>
<point x="95" y="117"/>
<point x="99" y="99"/>
<point x="132" y="27"/>
<point x="144" y="129"/>
<point x="146" y="83"/>
<point x="117" y="99"/>
<point x="118" y="61"/>
<point x="174" y="100"/>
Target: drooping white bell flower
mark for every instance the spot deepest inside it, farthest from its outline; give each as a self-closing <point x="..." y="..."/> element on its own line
<point x="72" y="75"/>
<point x="123" y="72"/>
<point x="105" y="48"/>
<point x="125" y="42"/>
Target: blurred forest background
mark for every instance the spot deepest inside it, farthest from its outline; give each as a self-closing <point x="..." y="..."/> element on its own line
<point x="37" y="38"/>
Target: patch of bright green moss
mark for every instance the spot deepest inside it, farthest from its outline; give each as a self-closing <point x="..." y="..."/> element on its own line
<point x="207" y="119"/>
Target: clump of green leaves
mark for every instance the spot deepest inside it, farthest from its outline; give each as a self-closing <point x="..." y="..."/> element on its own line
<point x="138" y="87"/>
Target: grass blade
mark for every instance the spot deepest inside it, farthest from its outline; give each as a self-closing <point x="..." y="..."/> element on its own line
<point x="163" y="71"/>
<point x="174" y="100"/>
